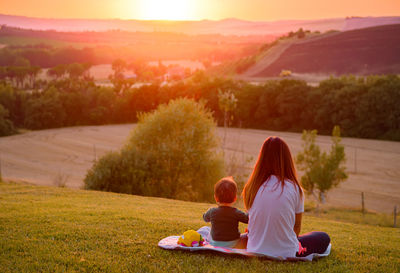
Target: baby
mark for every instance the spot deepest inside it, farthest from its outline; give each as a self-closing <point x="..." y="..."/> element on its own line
<point x="225" y="218"/>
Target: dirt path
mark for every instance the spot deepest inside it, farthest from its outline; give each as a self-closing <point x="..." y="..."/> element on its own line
<point x="40" y="157"/>
<point x="269" y="57"/>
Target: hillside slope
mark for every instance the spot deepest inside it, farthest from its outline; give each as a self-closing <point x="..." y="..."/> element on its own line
<point x="365" y="51"/>
<point x="273" y="53"/>
<point x="46" y="229"/>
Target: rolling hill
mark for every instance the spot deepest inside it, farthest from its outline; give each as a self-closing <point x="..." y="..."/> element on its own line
<point x="374" y="50"/>
<point x="230" y="26"/>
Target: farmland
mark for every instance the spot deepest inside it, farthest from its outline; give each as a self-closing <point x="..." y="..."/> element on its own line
<point x="371" y="51"/>
<point x="47" y="156"/>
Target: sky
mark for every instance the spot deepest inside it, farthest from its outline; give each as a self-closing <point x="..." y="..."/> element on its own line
<point x="254" y="10"/>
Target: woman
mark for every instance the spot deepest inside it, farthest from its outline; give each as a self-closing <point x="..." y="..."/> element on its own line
<point x="274" y="199"/>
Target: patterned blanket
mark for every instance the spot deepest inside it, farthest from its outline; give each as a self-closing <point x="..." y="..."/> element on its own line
<point x="171" y="244"/>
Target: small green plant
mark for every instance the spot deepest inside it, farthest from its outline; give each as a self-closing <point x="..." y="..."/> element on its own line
<point x="235" y="159"/>
<point x="60" y="180"/>
<point x="227" y="102"/>
<point x="322" y="171"/>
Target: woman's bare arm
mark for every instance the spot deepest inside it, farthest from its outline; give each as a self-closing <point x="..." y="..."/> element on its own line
<point x="297" y="223"/>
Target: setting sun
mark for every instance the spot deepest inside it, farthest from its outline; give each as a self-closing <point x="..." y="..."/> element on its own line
<point x="165" y="10"/>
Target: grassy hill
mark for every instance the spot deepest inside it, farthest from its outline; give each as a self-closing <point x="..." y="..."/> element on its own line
<point x="48" y="229"/>
<point x="364" y="51"/>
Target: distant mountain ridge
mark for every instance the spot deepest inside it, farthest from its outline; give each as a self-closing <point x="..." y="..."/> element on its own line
<point x="229" y="26"/>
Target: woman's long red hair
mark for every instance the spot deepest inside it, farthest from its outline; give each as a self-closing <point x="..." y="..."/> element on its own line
<point x="274" y="159"/>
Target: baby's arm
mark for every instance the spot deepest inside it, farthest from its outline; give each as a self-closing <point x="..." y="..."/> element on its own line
<point x="207" y="215"/>
<point x="242" y="217"/>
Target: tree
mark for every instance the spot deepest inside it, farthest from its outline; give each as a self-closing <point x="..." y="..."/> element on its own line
<point x="118" y="79"/>
<point x="45" y="110"/>
<point x="21" y="62"/>
<point x="6" y="125"/>
<point x="33" y="71"/>
<point x="86" y="71"/>
<point x="171" y="153"/>
<point x="206" y="63"/>
<point x="58" y="71"/>
<point x="227" y="102"/>
<point x="322" y="171"/>
<point x="76" y="70"/>
<point x="8" y="98"/>
<point x="3" y="73"/>
<point x="235" y="159"/>
<point x="119" y="66"/>
<point x="20" y="73"/>
<point x="300" y="33"/>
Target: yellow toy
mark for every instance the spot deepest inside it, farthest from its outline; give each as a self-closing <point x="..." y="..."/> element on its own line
<point x="191" y="238"/>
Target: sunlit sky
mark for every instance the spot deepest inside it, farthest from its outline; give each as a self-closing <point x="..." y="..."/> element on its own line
<point x="255" y="10"/>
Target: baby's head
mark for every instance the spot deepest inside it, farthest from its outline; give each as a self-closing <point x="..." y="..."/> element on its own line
<point x="225" y="190"/>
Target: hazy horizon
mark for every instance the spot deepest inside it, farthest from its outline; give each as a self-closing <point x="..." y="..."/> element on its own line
<point x="191" y="20"/>
<point x="196" y="10"/>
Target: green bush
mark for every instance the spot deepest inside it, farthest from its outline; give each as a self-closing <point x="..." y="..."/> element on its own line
<point x="6" y="126"/>
<point x="322" y="171"/>
<point x="45" y="110"/>
<point x="125" y="171"/>
<point x="171" y="153"/>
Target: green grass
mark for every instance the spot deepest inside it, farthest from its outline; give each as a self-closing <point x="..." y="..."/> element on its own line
<point x="49" y="229"/>
<point x="355" y="216"/>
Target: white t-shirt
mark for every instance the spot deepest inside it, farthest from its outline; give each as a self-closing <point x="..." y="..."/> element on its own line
<point x="272" y="218"/>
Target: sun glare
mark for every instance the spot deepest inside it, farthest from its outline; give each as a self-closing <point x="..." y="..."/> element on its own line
<point x="165" y="9"/>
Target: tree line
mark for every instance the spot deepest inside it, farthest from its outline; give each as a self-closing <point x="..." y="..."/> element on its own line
<point x="46" y="56"/>
<point x="192" y="48"/>
<point x="365" y="107"/>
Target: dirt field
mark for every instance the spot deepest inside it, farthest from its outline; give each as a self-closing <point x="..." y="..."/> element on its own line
<point x="43" y="157"/>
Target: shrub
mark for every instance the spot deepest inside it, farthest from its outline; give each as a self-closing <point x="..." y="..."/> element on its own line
<point x="6" y="126"/>
<point x="322" y="171"/>
<point x="171" y="153"/>
<point x="124" y="171"/>
<point x="285" y="73"/>
<point x="45" y="111"/>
